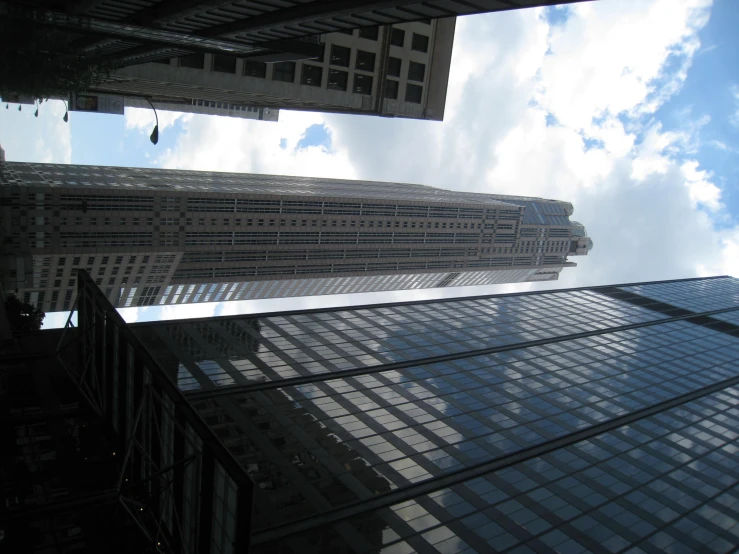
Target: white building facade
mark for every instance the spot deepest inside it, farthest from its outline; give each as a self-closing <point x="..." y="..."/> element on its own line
<point x="155" y="237"/>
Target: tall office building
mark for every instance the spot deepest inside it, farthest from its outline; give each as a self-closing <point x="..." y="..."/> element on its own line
<point x="392" y="71"/>
<point x="152" y="237"/>
<point x="598" y="419"/>
<point x="248" y="59"/>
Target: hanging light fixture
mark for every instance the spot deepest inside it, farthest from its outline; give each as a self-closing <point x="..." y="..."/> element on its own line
<point x="66" y="113"/>
<point x="154" y="137"/>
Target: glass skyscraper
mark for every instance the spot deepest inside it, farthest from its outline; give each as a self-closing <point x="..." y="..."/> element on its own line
<point x="600" y="419"/>
<point x="154" y="237"/>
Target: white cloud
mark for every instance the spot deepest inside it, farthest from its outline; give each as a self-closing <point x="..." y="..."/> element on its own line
<point x="648" y="204"/>
<point x="230" y="144"/>
<point x="144" y="119"/>
<point x="46" y="138"/>
<point x="702" y="191"/>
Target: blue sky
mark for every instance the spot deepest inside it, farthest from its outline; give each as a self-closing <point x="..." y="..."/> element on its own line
<point x="627" y="108"/>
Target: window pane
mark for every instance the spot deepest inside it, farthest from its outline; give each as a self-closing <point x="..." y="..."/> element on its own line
<point x="420" y="43"/>
<point x="255" y="69"/>
<point x="413" y="93"/>
<point x="312" y="75"/>
<point x="369" y="32"/>
<point x="365" y="60"/>
<point x="397" y="38"/>
<point x="226" y="64"/>
<point x="362" y="84"/>
<point x="391" y="89"/>
<point x="337" y="80"/>
<point x="284" y="71"/>
<point x="416" y="71"/>
<point x="164" y="61"/>
<point x="195" y="61"/>
<point x="393" y="67"/>
<point x="320" y="56"/>
<point x="340" y="55"/>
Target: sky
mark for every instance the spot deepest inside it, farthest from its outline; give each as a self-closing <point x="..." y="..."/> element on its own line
<point x="629" y="109"/>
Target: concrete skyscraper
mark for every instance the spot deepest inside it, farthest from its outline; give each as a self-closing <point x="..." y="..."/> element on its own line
<point x="155" y="237"/>
<point x="249" y="59"/>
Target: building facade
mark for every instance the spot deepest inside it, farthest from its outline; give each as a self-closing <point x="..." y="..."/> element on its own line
<point x="153" y="237"/>
<point x="598" y="419"/>
<point x="375" y="57"/>
<point x="393" y="71"/>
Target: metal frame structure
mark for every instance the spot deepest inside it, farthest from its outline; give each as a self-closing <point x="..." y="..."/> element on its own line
<point x="176" y="480"/>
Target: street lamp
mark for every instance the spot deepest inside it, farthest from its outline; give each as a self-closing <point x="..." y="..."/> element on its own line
<point x="66" y="112"/>
<point x="154" y="137"/>
<point x="36" y="113"/>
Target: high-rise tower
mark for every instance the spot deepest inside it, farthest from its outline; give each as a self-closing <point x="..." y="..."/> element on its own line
<point x="152" y="236"/>
<point x="599" y="419"/>
<point x="375" y="57"/>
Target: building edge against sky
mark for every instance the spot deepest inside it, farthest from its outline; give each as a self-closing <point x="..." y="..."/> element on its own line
<point x="156" y="237"/>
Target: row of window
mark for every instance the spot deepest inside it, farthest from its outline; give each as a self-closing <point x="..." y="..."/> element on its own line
<point x="339" y="55"/>
<point x="260" y="271"/>
<point x="104" y="260"/>
<point x="265" y="255"/>
<point x="338" y="208"/>
<point x="328" y="223"/>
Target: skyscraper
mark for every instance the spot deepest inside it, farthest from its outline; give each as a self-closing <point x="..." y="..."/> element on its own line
<point x="388" y="58"/>
<point x="392" y="71"/>
<point x="597" y="419"/>
<point x="151" y="236"/>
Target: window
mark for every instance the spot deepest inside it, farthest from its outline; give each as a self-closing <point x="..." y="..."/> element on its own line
<point x="164" y="61"/>
<point x="393" y="66"/>
<point x="319" y="57"/>
<point x="255" y="69"/>
<point x="284" y="71"/>
<point x="416" y="71"/>
<point x="195" y="61"/>
<point x="362" y="84"/>
<point x="349" y="32"/>
<point x="311" y="75"/>
<point x="225" y="64"/>
<point x="413" y="93"/>
<point x="397" y="38"/>
<point x="337" y="80"/>
<point x="420" y="43"/>
<point x="340" y="55"/>
<point x="391" y="89"/>
<point x="365" y="60"/>
<point x="370" y="33"/>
